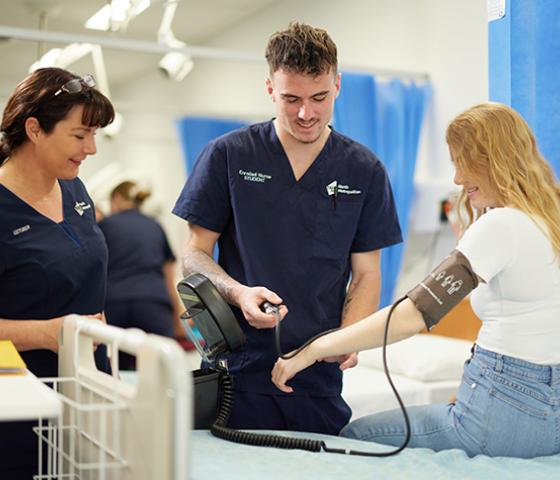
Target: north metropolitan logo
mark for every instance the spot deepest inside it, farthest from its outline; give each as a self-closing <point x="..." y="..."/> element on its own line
<point x="81" y="207"/>
<point x="335" y="188"/>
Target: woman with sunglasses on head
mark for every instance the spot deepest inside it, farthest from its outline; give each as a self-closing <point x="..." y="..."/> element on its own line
<point x="507" y="403"/>
<point x="53" y="257"/>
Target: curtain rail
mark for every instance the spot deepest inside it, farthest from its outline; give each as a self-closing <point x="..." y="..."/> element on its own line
<point x="125" y="44"/>
<point x="194" y="51"/>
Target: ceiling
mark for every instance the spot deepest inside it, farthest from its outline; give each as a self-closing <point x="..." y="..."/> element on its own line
<point x="196" y="22"/>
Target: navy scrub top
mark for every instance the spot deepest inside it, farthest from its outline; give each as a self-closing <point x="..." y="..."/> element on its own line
<point x="50" y="269"/>
<point x="138" y="249"/>
<point x="290" y="236"/>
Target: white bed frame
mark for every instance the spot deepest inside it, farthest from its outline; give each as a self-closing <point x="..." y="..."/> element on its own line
<point x="111" y="429"/>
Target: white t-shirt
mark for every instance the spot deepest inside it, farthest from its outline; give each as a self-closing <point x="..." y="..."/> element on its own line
<point x="519" y="304"/>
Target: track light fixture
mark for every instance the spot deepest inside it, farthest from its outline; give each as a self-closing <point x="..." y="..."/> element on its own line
<point x="115" y="15"/>
<point x="175" y="64"/>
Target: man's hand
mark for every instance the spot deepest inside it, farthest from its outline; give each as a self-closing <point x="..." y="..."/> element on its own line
<point x="350" y="360"/>
<point x="250" y="300"/>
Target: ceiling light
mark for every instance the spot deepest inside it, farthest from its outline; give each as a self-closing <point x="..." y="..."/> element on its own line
<point x="119" y="11"/>
<point x="63" y="57"/>
<point x="176" y="65"/>
<point x="100" y="19"/>
<point x="139" y="6"/>
<point x="116" y="15"/>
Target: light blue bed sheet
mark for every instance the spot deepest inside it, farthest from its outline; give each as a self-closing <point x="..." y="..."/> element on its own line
<point x="213" y="458"/>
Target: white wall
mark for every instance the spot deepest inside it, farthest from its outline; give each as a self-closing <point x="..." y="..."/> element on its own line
<point x="445" y="38"/>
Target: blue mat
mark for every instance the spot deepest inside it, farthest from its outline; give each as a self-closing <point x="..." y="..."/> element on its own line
<point x="212" y="458"/>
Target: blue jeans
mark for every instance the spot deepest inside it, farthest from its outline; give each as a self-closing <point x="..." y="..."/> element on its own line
<point x="504" y="407"/>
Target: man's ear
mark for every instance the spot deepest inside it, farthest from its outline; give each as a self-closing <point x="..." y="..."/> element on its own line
<point x="337" y="83"/>
<point x="269" y="87"/>
<point x="33" y="129"/>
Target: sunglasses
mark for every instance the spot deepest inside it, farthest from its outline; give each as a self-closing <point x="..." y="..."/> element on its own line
<point x="76" y="85"/>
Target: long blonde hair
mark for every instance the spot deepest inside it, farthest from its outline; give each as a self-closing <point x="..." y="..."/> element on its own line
<point x="493" y="139"/>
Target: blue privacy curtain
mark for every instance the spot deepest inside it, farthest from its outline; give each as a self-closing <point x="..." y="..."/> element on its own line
<point x="524" y="60"/>
<point x="196" y="132"/>
<point x="386" y="117"/>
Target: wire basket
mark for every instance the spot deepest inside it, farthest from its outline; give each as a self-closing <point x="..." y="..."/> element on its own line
<point x="110" y="429"/>
<point x="86" y="443"/>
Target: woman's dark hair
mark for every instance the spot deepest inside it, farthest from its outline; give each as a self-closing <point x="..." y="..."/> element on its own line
<point x="35" y="97"/>
<point x="131" y="192"/>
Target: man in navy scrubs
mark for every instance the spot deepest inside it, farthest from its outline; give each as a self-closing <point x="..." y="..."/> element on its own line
<point x="295" y="208"/>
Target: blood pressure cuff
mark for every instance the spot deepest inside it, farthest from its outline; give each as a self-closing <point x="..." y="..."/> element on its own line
<point x="450" y="282"/>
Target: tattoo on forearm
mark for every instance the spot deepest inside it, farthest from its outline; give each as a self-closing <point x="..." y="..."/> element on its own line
<point x="197" y="261"/>
<point x="347" y="303"/>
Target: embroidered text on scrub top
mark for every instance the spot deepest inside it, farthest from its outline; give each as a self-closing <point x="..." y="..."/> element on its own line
<point x="255" y="176"/>
<point x="19" y="230"/>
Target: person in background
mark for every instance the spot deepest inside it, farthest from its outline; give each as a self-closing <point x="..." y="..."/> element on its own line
<point x="509" y="253"/>
<point x="297" y="210"/>
<point x="53" y="257"/>
<point x="140" y="285"/>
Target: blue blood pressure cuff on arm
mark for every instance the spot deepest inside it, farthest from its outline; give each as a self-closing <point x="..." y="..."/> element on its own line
<point x="445" y="286"/>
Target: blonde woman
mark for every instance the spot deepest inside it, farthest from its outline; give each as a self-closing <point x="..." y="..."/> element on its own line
<point x="507" y="404"/>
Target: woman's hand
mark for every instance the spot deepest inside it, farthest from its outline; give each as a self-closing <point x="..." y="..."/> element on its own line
<point x="53" y="326"/>
<point x="51" y="333"/>
<point x="284" y="370"/>
<point x="97" y="316"/>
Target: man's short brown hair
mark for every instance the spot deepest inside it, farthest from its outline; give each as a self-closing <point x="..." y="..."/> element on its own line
<point x="302" y="49"/>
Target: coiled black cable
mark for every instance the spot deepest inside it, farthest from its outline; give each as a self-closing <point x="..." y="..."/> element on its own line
<point x="220" y="429"/>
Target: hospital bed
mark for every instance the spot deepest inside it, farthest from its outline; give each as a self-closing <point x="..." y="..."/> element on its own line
<point x="142" y="430"/>
<point x="426" y="368"/>
<point x="215" y="458"/>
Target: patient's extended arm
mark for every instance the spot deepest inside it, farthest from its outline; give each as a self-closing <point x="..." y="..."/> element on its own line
<point x="406" y="320"/>
<point x="451" y="281"/>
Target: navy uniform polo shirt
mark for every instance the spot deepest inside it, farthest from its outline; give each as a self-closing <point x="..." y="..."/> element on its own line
<point x="138" y="249"/>
<point x="293" y="237"/>
<point x="50" y="269"/>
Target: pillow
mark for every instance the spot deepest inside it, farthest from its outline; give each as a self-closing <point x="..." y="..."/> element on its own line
<point x="425" y="357"/>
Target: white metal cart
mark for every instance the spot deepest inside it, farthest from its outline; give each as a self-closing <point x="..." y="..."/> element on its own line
<point x="110" y="429"/>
